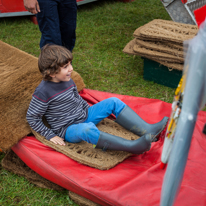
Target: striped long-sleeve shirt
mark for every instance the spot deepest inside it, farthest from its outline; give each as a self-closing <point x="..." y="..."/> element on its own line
<point x="60" y="103"/>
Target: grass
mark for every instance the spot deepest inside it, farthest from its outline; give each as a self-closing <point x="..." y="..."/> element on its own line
<point x="103" y="29"/>
<point x="105" y="67"/>
<point x="15" y="190"/>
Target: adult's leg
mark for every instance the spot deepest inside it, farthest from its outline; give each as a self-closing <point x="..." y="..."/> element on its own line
<point x="67" y="19"/>
<point x="48" y="21"/>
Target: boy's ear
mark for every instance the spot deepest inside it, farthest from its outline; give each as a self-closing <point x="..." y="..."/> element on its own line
<point x="52" y="75"/>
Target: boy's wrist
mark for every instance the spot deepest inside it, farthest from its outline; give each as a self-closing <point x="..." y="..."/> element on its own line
<point x="51" y="136"/>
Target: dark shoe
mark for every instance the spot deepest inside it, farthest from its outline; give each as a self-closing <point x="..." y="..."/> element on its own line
<point x="110" y="142"/>
<point x="133" y="122"/>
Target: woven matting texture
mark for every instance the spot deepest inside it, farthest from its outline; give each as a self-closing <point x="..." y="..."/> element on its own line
<point x="168" y="31"/>
<point x="84" y="152"/>
<point x="81" y="201"/>
<point x="19" y="76"/>
<point x="129" y="50"/>
<point x="176" y="45"/>
<point x="138" y="35"/>
<point x="157" y="54"/>
<point x="162" y="47"/>
<point x="162" y="41"/>
<point x="13" y="163"/>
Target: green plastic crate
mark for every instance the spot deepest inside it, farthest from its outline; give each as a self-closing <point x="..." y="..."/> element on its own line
<point x="160" y="74"/>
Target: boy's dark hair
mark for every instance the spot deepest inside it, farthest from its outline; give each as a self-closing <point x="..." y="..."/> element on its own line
<point x="51" y="58"/>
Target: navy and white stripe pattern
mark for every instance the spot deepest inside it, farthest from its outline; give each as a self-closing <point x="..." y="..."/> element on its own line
<point x="60" y="103"/>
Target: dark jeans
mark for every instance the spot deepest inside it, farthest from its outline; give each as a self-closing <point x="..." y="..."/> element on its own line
<point x="57" y="22"/>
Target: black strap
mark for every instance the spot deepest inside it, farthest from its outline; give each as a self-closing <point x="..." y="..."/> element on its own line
<point x="204" y="129"/>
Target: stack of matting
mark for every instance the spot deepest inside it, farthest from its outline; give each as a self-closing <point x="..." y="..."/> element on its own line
<point x="162" y="41"/>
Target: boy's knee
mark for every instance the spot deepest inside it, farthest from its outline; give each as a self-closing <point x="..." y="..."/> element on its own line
<point x="90" y="133"/>
<point x="88" y="127"/>
<point x="114" y="99"/>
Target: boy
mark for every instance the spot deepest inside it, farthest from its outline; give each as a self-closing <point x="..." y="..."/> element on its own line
<point x="72" y="119"/>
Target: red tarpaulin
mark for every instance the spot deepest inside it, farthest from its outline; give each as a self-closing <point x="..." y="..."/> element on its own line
<point x="200" y="15"/>
<point x="16" y="7"/>
<point x="135" y="181"/>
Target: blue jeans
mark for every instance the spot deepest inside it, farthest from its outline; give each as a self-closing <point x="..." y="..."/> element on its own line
<point x="87" y="131"/>
<point x="57" y="22"/>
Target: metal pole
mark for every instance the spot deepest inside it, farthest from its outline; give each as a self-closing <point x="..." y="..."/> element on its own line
<point x="194" y="97"/>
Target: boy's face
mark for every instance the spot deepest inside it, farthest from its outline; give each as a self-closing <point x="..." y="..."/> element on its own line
<point x="64" y="75"/>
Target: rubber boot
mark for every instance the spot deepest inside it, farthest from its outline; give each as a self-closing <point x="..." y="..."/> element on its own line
<point x="131" y="121"/>
<point x="110" y="142"/>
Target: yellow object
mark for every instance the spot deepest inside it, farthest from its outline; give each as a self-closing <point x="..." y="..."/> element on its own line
<point x="169" y="127"/>
<point x="177" y="91"/>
